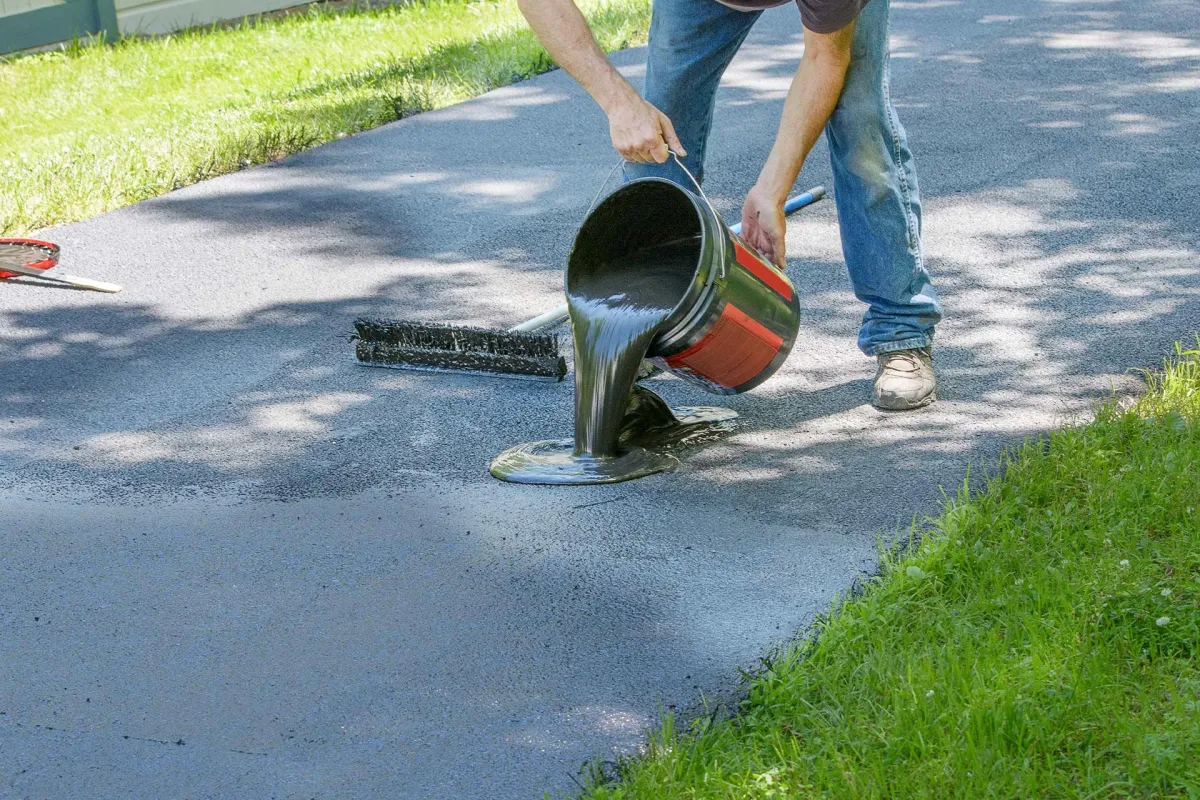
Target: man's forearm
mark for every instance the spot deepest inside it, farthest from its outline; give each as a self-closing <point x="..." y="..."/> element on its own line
<point x="639" y="131"/>
<point x="562" y="28"/>
<point x="811" y="100"/>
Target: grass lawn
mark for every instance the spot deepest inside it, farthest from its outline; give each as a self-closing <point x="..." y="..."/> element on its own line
<point x="91" y="128"/>
<point x="1042" y="639"/>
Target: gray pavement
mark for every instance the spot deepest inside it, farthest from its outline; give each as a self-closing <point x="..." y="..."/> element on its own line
<point x="235" y="564"/>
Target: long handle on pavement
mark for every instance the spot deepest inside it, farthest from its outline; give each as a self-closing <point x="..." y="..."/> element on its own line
<point x="66" y="280"/>
<point x="560" y="313"/>
<point x="543" y="320"/>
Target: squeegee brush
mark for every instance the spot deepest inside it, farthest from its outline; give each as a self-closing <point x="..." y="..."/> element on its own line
<point x="403" y="344"/>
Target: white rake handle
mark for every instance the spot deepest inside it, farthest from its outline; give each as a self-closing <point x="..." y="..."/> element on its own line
<point x="67" y="280"/>
<point x="544" y="320"/>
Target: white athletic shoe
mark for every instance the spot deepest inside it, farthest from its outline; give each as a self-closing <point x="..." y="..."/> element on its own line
<point x="905" y="380"/>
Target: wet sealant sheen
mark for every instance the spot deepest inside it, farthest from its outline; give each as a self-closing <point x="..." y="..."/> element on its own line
<point x="615" y="315"/>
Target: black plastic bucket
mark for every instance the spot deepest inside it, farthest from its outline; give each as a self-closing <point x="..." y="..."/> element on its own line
<point x="735" y="323"/>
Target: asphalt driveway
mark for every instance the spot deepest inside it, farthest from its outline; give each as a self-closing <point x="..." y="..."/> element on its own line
<point x="236" y="564"/>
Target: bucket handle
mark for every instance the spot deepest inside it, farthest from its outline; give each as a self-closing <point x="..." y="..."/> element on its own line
<point x="621" y="166"/>
<point x="721" y="266"/>
<point x="695" y="183"/>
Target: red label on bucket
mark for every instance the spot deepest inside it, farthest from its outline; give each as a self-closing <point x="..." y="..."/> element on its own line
<point x="734" y="351"/>
<point x="761" y="269"/>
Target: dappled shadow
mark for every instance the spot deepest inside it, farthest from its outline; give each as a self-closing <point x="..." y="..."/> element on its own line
<point x="1063" y="257"/>
<point x="1056" y="147"/>
<point x="1057" y="227"/>
<point x="1063" y="260"/>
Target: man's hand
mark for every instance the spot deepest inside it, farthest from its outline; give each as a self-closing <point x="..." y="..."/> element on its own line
<point x="640" y="132"/>
<point x="763" y="225"/>
<point x="810" y="102"/>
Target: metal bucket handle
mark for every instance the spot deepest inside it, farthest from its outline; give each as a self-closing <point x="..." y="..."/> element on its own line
<point x="712" y="209"/>
<point x="722" y="268"/>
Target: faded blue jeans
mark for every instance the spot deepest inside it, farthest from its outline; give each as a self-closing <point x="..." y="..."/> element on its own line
<point x="874" y="181"/>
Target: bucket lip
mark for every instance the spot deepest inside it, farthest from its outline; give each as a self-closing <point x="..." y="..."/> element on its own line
<point x="708" y="218"/>
<point x="636" y="182"/>
<point x="703" y="215"/>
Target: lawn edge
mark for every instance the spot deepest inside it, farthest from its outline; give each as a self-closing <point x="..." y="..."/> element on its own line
<point x="922" y="539"/>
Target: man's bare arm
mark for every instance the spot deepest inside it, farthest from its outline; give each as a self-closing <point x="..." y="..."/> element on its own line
<point x="811" y="100"/>
<point x="639" y="131"/>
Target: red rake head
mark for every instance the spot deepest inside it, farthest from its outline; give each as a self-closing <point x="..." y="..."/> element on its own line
<point x="28" y="253"/>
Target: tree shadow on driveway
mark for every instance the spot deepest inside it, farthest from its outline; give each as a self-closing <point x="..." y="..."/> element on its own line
<point x="1056" y="145"/>
<point x="1063" y="254"/>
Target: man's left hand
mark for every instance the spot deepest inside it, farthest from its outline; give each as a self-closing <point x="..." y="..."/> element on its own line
<point x="764" y="226"/>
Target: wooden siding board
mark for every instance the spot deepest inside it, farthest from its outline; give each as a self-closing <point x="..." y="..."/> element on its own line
<point x="106" y="19"/>
<point x="8" y="7"/>
<point x="48" y="25"/>
<point x="163" y="16"/>
<point x="33" y="23"/>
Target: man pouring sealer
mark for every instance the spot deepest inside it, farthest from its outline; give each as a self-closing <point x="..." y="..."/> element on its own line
<point x="841" y="87"/>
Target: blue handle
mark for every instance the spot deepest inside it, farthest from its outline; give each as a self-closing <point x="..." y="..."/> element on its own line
<point x="793" y="204"/>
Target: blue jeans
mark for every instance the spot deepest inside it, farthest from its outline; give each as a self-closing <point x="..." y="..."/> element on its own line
<point x="874" y="181"/>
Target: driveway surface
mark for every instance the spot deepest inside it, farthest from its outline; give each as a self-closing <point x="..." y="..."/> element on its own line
<point x="236" y="564"/>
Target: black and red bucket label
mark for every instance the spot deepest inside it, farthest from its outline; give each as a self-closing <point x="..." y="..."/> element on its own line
<point x="734" y="351"/>
<point x="760" y="269"/>
<point x="737" y="348"/>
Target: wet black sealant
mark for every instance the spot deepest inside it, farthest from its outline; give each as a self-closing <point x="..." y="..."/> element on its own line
<point x="622" y="430"/>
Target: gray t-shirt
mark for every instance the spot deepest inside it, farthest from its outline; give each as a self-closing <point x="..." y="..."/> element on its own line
<point x="820" y="16"/>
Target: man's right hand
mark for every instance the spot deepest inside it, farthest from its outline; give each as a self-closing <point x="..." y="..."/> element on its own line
<point x="640" y="132"/>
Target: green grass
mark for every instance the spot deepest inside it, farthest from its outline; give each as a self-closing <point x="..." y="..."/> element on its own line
<point x="1040" y="639"/>
<point x="90" y="128"/>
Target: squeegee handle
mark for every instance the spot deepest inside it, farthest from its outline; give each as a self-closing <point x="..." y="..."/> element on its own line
<point x="560" y="313"/>
<point x="793" y="204"/>
<point x="66" y="280"/>
<point x="551" y="317"/>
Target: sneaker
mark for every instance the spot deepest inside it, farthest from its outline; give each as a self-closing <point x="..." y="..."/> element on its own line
<point x="905" y="380"/>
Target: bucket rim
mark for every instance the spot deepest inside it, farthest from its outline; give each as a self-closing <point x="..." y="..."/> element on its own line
<point x="706" y="215"/>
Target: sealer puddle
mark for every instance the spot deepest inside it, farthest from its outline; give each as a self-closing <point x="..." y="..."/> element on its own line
<point x="622" y="431"/>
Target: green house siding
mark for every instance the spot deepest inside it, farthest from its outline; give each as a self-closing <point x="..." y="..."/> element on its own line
<point x="31" y="24"/>
<point x="163" y="16"/>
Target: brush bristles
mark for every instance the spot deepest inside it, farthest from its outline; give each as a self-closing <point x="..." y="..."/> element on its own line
<point x="456" y="338"/>
<point x="388" y="342"/>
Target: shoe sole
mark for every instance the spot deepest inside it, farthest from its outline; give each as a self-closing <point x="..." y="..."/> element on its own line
<point x="909" y="407"/>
